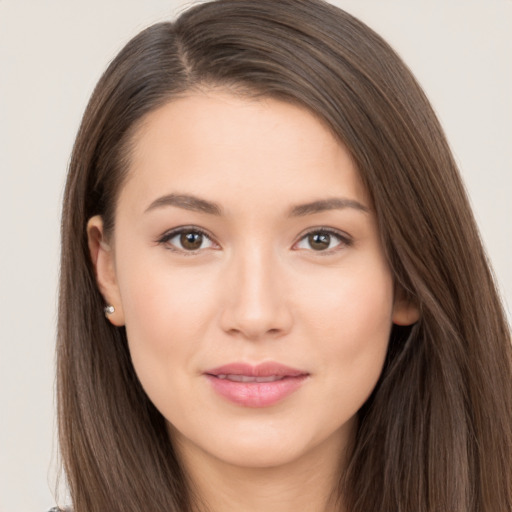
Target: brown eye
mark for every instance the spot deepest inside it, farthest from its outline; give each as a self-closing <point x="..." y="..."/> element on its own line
<point x="323" y="240"/>
<point x="319" y="241"/>
<point x="191" y="241"/>
<point x="187" y="240"/>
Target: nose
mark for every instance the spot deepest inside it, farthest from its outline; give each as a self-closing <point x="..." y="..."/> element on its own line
<point x="256" y="301"/>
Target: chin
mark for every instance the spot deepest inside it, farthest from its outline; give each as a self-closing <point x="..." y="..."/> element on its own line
<point x="256" y="445"/>
<point x="263" y="455"/>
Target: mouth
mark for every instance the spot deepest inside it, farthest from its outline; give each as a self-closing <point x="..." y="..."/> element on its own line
<point x="248" y="378"/>
<point x="262" y="385"/>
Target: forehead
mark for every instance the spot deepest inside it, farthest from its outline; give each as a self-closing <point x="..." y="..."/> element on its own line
<point x="221" y="145"/>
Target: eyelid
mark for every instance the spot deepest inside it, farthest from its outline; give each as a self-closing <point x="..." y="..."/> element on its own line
<point x="345" y="239"/>
<point x="171" y="233"/>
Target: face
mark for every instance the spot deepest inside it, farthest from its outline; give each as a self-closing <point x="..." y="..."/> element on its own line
<point x="247" y="269"/>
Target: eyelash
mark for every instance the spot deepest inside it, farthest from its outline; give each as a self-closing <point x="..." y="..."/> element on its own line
<point x="169" y="235"/>
<point x="343" y="239"/>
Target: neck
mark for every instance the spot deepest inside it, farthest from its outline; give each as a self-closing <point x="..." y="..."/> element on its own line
<point x="310" y="483"/>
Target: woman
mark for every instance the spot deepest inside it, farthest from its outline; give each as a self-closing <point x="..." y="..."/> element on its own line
<point x="299" y="312"/>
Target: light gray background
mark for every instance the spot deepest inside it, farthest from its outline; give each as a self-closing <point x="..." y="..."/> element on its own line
<point x="51" y="54"/>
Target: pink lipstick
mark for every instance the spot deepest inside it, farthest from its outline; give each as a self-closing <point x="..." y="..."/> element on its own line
<point x="262" y="385"/>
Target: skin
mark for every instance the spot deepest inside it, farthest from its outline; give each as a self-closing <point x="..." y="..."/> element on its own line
<point x="255" y="290"/>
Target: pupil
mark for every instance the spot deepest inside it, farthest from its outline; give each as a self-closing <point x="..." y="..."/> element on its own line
<point x="319" y="241"/>
<point x="191" y="241"/>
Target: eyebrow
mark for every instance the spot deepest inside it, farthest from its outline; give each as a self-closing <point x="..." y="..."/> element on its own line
<point x="196" y="204"/>
<point x="187" y="202"/>
<point x="322" y="205"/>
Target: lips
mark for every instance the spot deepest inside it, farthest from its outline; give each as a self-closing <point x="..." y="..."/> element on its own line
<point x="261" y="385"/>
<point x="247" y="378"/>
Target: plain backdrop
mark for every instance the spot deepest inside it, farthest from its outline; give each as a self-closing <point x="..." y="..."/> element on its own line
<point x="51" y="54"/>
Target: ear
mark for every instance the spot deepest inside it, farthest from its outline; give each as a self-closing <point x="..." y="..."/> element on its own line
<point x="405" y="311"/>
<point x="102" y="257"/>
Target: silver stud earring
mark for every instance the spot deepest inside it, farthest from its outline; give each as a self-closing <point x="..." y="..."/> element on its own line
<point x="109" y="309"/>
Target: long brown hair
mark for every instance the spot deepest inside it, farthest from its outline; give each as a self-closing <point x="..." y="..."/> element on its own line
<point x="436" y="434"/>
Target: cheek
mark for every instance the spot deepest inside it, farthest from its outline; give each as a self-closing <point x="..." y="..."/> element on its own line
<point x="352" y="324"/>
<point x="167" y="312"/>
<point x="350" y="302"/>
